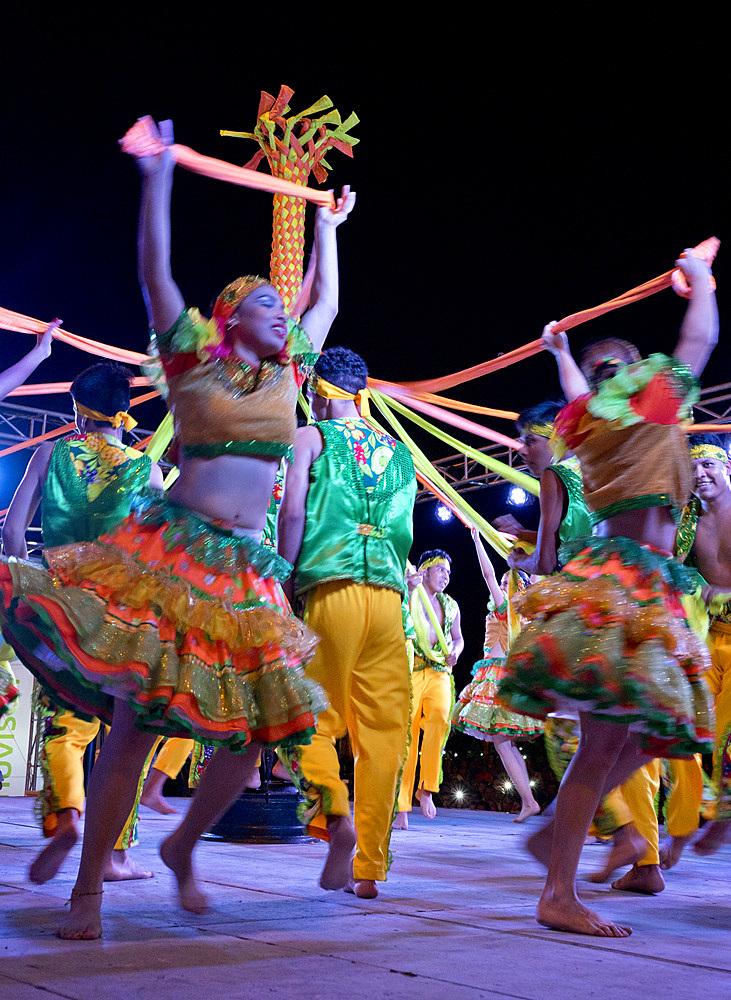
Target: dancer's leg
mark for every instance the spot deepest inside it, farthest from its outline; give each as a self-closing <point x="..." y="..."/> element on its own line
<point x="110" y="798"/>
<point x="514" y="764"/>
<point x="604" y="754"/>
<point x="224" y="778"/>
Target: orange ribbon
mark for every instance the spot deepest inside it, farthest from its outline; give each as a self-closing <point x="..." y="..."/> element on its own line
<point x="142" y="140"/>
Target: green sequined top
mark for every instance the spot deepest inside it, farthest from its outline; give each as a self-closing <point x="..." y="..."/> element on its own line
<point x="426" y="655"/>
<point x="359" y="509"/>
<point x="577" y="521"/>
<point x="91" y="481"/>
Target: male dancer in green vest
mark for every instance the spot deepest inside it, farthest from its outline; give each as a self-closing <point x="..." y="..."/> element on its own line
<point x="84" y="484"/>
<point x="432" y="683"/>
<point x="346" y="524"/>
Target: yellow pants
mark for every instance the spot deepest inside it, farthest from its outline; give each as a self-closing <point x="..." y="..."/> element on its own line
<point x="361" y="663"/>
<point x="175" y="751"/>
<point x="719" y="680"/>
<point x="432" y="699"/>
<point x="65" y="742"/>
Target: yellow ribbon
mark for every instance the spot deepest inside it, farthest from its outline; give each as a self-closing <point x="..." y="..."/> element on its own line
<point x="119" y="418"/>
<point x="329" y="391"/>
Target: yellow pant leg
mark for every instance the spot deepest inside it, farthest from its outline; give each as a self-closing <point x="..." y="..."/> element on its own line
<point x="639" y="793"/>
<point x="378" y="718"/>
<point x="612" y="813"/>
<point x="67" y="737"/>
<point x="719" y="679"/>
<point x="361" y="662"/>
<point x="436" y="720"/>
<point x="331" y="667"/>
<point x="128" y="836"/>
<point x="408" y="776"/>
<point x="174" y="753"/>
<point x="683" y="805"/>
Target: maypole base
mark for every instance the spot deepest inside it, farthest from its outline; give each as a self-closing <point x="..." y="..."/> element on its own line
<point x="262" y="817"/>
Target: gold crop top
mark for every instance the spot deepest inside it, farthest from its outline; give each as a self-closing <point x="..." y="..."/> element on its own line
<point x="220" y="404"/>
<point x="629" y="438"/>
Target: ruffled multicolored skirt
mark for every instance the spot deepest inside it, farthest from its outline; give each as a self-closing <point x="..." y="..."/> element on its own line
<point x="184" y="618"/>
<point x="608" y="635"/>
<point x="479" y="713"/>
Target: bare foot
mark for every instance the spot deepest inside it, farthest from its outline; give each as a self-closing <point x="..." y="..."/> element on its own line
<point x="539" y="843"/>
<point x="254" y="781"/>
<point x="401" y="822"/>
<point x="154" y="800"/>
<point x="339" y="864"/>
<point x="280" y="771"/>
<point x="713" y="836"/>
<point x="571" y="915"/>
<point x="121" y="868"/>
<point x="627" y="849"/>
<point x="641" y="878"/>
<point x="428" y="809"/>
<point x="671" y="850"/>
<point x="180" y="864"/>
<point x="84" y="922"/>
<point x="366" y="888"/>
<point x="56" y="851"/>
<point x="528" y="810"/>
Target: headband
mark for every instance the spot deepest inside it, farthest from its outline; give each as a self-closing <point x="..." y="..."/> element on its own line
<point x="540" y="430"/>
<point x="121" y="417"/>
<point x="321" y="387"/>
<point x="434" y="561"/>
<point x="709" y="451"/>
<point x="234" y="294"/>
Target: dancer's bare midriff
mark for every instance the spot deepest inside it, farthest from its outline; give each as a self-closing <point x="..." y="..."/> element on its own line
<point x="234" y="489"/>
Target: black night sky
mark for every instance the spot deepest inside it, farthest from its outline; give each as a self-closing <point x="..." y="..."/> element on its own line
<point x="509" y="172"/>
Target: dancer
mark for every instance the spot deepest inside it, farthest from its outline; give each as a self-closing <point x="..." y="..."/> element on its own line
<point x="346" y="523"/>
<point x="563" y="513"/>
<point x="609" y="633"/>
<point x="477" y="712"/>
<point x="432" y="683"/>
<point x="168" y="764"/>
<point x="181" y="625"/>
<point x="84" y="485"/>
<point x="704" y="537"/>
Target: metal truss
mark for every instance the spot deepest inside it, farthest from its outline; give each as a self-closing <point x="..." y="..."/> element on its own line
<point x="466" y="475"/>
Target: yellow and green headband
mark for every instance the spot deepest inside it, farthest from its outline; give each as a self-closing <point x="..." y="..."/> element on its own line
<point x="709" y="451"/>
<point x="540" y="430"/>
<point x="321" y="387"/>
<point x="119" y="418"/>
<point x="434" y="561"/>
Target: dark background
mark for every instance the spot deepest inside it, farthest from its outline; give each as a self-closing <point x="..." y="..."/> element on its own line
<point x="511" y="169"/>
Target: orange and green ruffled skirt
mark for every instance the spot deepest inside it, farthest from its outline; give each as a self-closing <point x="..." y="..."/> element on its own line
<point x="183" y="618"/>
<point x="479" y="713"/>
<point x="608" y="635"/>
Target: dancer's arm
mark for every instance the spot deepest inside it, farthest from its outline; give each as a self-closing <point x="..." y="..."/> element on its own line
<point x="699" y="329"/>
<point x="16" y="375"/>
<point x="488" y="570"/>
<point x="25" y="502"/>
<point x="457" y="640"/>
<point x="324" y="295"/>
<point x="544" y="559"/>
<point x="572" y="380"/>
<point x="291" y="525"/>
<point x="163" y="299"/>
<point x="157" y="480"/>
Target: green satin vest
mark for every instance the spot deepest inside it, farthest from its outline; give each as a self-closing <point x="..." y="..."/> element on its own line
<point x="73" y="508"/>
<point x="577" y="521"/>
<point x="352" y="533"/>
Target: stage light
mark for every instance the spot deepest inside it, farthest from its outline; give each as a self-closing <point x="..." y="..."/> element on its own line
<point x="507" y="786"/>
<point x="444" y="513"/>
<point x="459" y="794"/>
<point x="517" y="495"/>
